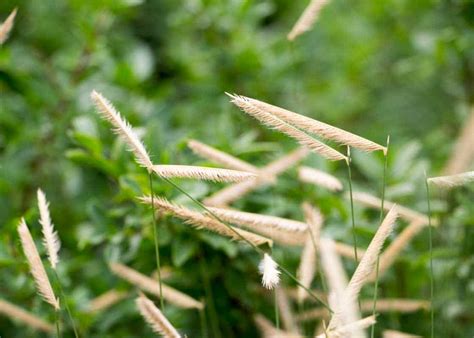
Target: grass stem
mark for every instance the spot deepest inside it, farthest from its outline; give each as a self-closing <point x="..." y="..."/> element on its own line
<point x="382" y="205"/>
<point x="277" y="314"/>
<point x="58" y="331"/>
<point x="155" y="239"/>
<point x="431" y="255"/>
<point x="354" y="235"/>
<point x="68" y="310"/>
<point x="349" y="172"/>
<point x="202" y="316"/>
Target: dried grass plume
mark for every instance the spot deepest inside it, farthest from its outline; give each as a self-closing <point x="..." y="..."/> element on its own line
<point x="366" y="265"/>
<point x="220" y="157"/>
<point x="271" y="121"/>
<point x="384" y="305"/>
<point x="320" y="178"/>
<point x="267" y="330"/>
<point x="43" y="285"/>
<point x="201" y="221"/>
<point x="202" y="173"/>
<point x="6" y="26"/>
<point x="452" y="181"/>
<point x="463" y="155"/>
<point x="50" y="236"/>
<point x="375" y="202"/>
<point x="388" y="257"/>
<point x="122" y="129"/>
<point x="346" y="330"/>
<point x="313" y="126"/>
<point x="307" y="19"/>
<point x="150" y="285"/>
<point x="236" y="191"/>
<point x="249" y="219"/>
<point x="286" y="311"/>
<point x="155" y="318"/>
<point x="337" y="282"/>
<point x="106" y="300"/>
<point x="18" y="314"/>
<point x="398" y="334"/>
<point x="307" y="267"/>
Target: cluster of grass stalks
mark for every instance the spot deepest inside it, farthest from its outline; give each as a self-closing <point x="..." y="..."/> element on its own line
<point x="340" y="310"/>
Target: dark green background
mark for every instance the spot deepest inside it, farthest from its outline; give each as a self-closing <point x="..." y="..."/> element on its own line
<point x="398" y="67"/>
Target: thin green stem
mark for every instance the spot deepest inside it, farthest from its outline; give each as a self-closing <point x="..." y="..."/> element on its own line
<point x="292" y="277"/>
<point x="202" y="316"/>
<point x="68" y="310"/>
<point x="58" y="331"/>
<point x="431" y="255"/>
<point x="209" y="299"/>
<point x="285" y="271"/>
<point x="384" y="183"/>
<point x="277" y="314"/>
<point x="354" y="236"/>
<point x="155" y="239"/>
<point x="295" y="65"/>
<point x="349" y="172"/>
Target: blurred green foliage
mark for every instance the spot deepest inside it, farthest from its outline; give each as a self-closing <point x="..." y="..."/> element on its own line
<point x="404" y="68"/>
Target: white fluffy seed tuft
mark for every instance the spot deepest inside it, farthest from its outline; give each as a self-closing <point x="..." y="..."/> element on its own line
<point x="270" y="273"/>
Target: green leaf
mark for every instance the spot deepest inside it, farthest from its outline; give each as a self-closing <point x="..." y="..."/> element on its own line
<point x="182" y="250"/>
<point x="220" y="243"/>
<point x="82" y="157"/>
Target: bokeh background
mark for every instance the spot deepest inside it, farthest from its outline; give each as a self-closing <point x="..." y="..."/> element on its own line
<point x="395" y="67"/>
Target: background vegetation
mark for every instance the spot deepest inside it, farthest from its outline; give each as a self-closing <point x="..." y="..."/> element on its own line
<point x="398" y="67"/>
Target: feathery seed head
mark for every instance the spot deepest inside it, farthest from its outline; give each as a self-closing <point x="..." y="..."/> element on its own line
<point x="320" y="178"/>
<point x="18" y="314"/>
<point x="155" y="318"/>
<point x="452" y="181"/>
<point x="249" y="219"/>
<point x="202" y="221"/>
<point x="248" y="106"/>
<point x="348" y="329"/>
<point x="106" y="300"/>
<point x="7" y="26"/>
<point x="50" y="237"/>
<point x="270" y="273"/>
<point x="150" y="285"/>
<point x="220" y="157"/>
<point x="123" y="129"/>
<point x="235" y="191"/>
<point x="313" y="126"/>
<point x="307" y="19"/>
<point x="43" y="285"/>
<point x="202" y="173"/>
<point x="366" y="265"/>
<point x="463" y="154"/>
